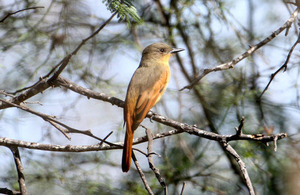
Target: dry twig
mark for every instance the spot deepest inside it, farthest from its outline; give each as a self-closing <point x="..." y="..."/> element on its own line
<point x="12" y="13"/>
<point x="151" y="163"/>
<point x="44" y="83"/>
<point x="182" y="189"/>
<point x="242" y="166"/>
<point x="8" y="191"/>
<point x="142" y="175"/>
<point x="63" y="128"/>
<point x="20" y="170"/>
<point x="250" y="51"/>
<point x="282" y="67"/>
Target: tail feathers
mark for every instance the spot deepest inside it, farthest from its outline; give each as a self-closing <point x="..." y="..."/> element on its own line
<point x="127" y="150"/>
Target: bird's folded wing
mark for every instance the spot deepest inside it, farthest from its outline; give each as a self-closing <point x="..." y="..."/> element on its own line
<point x="148" y="98"/>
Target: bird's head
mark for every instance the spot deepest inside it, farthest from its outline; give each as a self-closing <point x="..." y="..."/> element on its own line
<point x="160" y="52"/>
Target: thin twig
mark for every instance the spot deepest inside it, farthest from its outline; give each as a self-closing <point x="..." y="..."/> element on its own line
<point x="182" y="189"/>
<point x="105" y="138"/>
<point x="8" y="191"/>
<point x="58" y="148"/>
<point x="142" y="175"/>
<point x="239" y="129"/>
<point x="140" y="151"/>
<point x="39" y="87"/>
<point x="151" y="163"/>
<point x="12" y="13"/>
<point x="275" y="143"/>
<point x="44" y="83"/>
<point x="6" y="94"/>
<point x="283" y="67"/>
<point x="62" y="130"/>
<point x="252" y="49"/>
<point x="20" y="170"/>
<point x="60" y="81"/>
<point x="67" y="58"/>
<point x="58" y="125"/>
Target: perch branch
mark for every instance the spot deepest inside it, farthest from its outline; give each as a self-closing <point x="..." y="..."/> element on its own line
<point x="119" y="145"/>
<point x="179" y="127"/>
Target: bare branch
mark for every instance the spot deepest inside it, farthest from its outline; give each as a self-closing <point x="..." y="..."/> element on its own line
<point x="58" y="148"/>
<point x="63" y="128"/>
<point x="47" y="118"/>
<point x="142" y="175"/>
<point x="151" y="163"/>
<point x="283" y="67"/>
<point x="67" y="58"/>
<point x="242" y="166"/>
<point x="20" y="170"/>
<point x="275" y="143"/>
<point x="44" y="83"/>
<point x="180" y="127"/>
<point x="239" y="129"/>
<point x="105" y="138"/>
<point x="60" y="81"/>
<point x="119" y="145"/>
<point x="41" y="86"/>
<point x="12" y="13"/>
<point x="252" y="49"/>
<point x="8" y="191"/>
<point x="182" y="189"/>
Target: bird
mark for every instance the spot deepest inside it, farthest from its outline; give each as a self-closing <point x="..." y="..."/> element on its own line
<point x="145" y="89"/>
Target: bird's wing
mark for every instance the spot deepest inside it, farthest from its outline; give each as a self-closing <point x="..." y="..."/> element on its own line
<point x="148" y="97"/>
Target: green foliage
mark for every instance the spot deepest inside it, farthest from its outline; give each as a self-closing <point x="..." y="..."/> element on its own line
<point x="126" y="10"/>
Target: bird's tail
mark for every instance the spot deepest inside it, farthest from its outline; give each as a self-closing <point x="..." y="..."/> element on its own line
<point x="127" y="150"/>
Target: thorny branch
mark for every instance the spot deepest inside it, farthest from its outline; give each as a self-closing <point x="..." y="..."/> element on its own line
<point x="250" y="51"/>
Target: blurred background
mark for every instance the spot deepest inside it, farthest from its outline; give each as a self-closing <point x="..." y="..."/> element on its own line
<point x="32" y="42"/>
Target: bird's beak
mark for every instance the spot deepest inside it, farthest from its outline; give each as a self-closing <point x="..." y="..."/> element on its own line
<point x="176" y="50"/>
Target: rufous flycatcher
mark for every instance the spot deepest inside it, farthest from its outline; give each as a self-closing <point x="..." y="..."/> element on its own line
<point x="145" y="89"/>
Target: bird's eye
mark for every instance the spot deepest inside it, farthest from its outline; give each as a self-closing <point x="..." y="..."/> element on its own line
<point x="162" y="50"/>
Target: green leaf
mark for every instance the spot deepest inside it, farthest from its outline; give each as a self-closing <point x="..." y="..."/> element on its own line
<point x="126" y="10"/>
